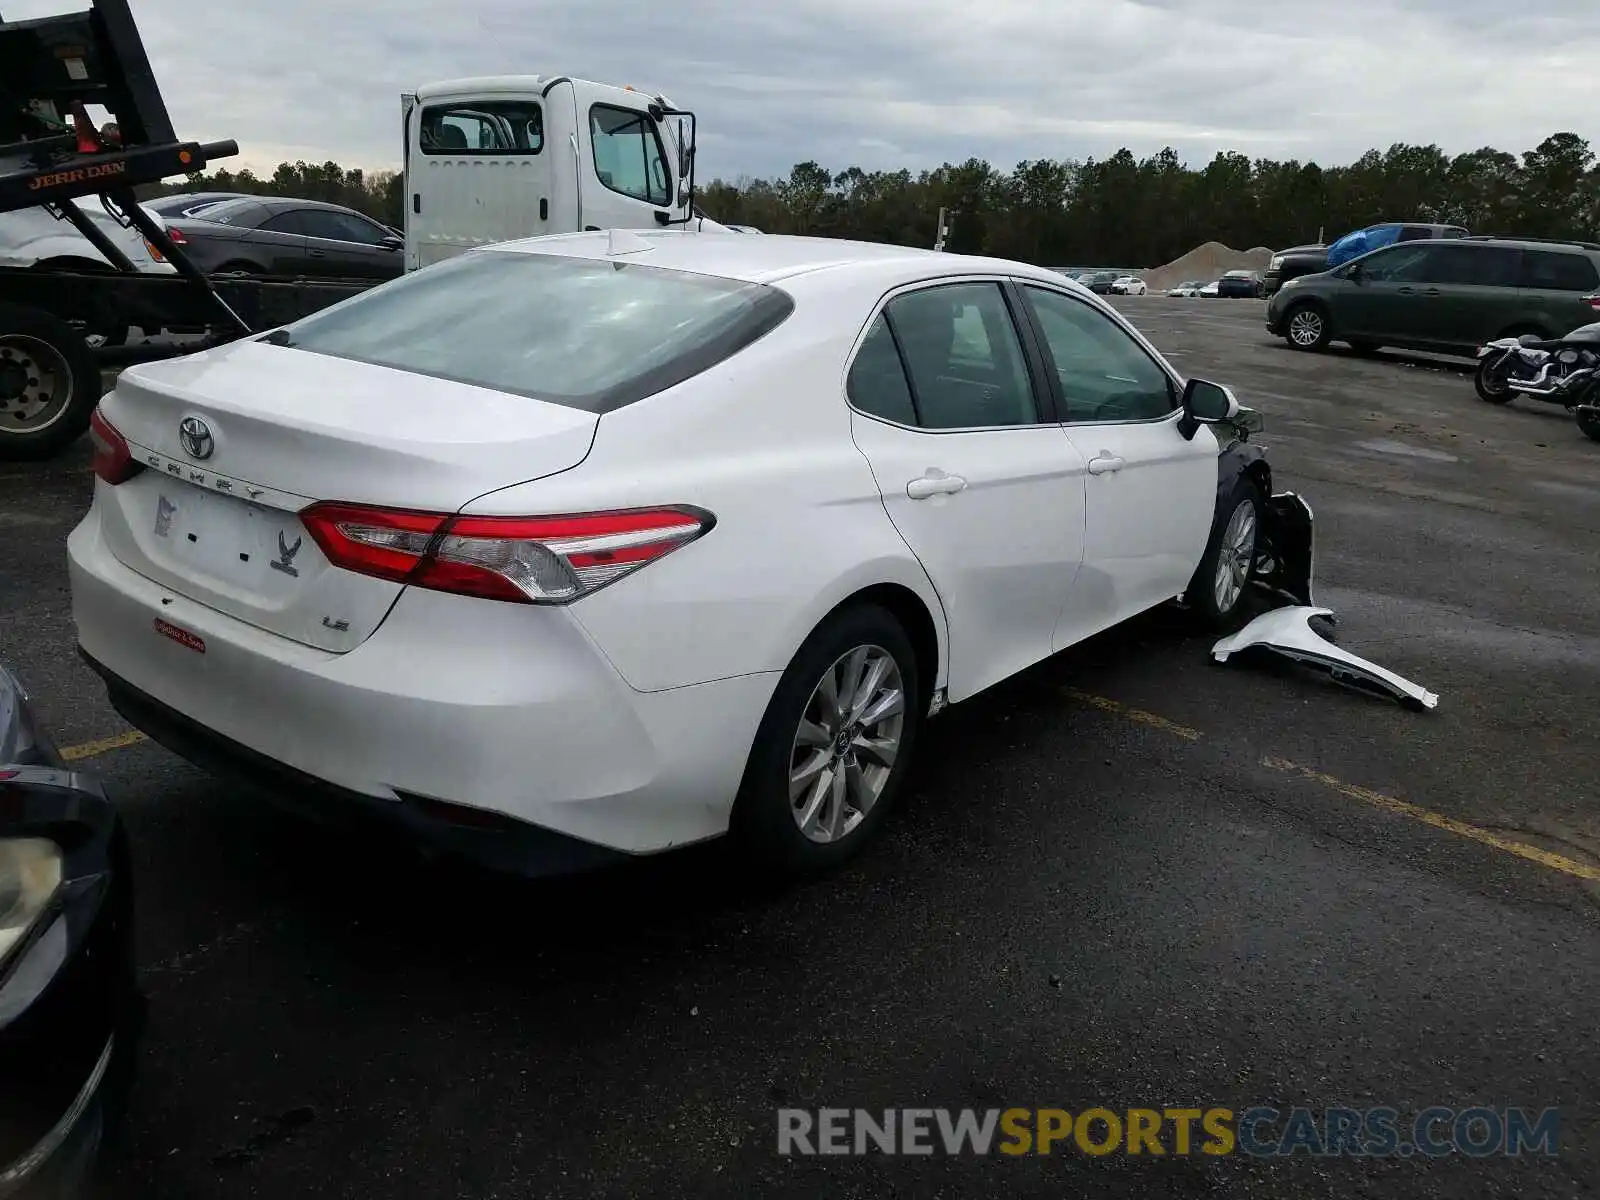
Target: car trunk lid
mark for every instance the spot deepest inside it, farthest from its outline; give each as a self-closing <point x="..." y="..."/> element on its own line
<point x="237" y="441"/>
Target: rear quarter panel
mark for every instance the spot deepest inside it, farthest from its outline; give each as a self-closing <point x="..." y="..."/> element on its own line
<point x="762" y="441"/>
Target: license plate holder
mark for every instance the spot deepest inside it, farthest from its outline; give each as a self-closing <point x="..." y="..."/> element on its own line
<point x="232" y="541"/>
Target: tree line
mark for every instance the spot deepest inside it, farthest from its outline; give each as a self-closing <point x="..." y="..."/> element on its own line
<point x="1120" y="209"/>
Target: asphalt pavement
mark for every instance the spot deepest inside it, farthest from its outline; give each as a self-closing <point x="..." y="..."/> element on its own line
<point x="1130" y="879"/>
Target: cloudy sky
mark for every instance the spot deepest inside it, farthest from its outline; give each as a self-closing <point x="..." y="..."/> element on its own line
<point x="891" y="83"/>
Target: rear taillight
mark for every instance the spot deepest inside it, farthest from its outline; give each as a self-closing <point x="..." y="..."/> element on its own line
<point x="154" y="251"/>
<point x="175" y="236"/>
<point x="112" y="461"/>
<point x="1593" y="302"/>
<point x="525" y="560"/>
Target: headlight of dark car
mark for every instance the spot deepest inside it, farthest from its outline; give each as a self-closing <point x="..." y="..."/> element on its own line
<point x="30" y="877"/>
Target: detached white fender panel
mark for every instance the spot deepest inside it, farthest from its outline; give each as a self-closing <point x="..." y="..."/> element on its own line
<point x="1288" y="632"/>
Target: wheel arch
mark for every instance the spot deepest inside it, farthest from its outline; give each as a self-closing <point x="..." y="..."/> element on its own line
<point x="912" y="612"/>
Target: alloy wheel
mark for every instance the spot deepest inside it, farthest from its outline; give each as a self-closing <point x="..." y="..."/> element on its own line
<point x="1235" y="556"/>
<point x="845" y="747"/>
<point x="1305" y="327"/>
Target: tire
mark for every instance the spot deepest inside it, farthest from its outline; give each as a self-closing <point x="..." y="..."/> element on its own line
<point x="1235" y="540"/>
<point x="1313" y="329"/>
<point x="94" y="336"/>
<point x="1490" y="384"/>
<point x="1589" y="422"/>
<point x="767" y="823"/>
<point x="49" y="384"/>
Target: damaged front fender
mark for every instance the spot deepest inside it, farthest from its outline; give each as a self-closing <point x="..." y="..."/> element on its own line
<point x="1284" y="557"/>
<point x="1288" y="631"/>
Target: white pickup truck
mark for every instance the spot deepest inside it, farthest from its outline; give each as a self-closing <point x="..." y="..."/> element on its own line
<point x="510" y="156"/>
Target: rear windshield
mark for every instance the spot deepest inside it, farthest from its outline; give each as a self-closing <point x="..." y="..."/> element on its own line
<point x="585" y="333"/>
<point x="226" y="212"/>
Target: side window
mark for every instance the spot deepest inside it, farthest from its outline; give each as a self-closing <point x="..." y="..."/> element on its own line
<point x="1401" y="264"/>
<point x="1105" y="375"/>
<point x="284" y="222"/>
<point x="1488" y="266"/>
<point x="320" y="223"/>
<point x="877" y="383"/>
<point x="1558" y="271"/>
<point x="1415" y="233"/>
<point x="964" y="357"/>
<point x="627" y="154"/>
<point x="358" y="229"/>
<point x="487" y="127"/>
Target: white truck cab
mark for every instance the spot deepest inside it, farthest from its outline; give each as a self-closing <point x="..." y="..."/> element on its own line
<point x="500" y="157"/>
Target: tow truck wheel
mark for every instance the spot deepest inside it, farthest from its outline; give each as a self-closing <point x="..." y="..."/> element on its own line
<point x="49" y="384"/>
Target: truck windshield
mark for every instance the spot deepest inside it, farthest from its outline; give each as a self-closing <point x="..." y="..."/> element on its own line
<point x="585" y="333"/>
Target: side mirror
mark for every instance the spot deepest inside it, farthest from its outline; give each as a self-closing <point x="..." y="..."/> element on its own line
<point x="1353" y="272"/>
<point x="1205" y="403"/>
<point x="392" y="242"/>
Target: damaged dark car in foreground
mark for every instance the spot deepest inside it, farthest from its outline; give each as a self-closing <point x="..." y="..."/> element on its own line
<point x="70" y="1011"/>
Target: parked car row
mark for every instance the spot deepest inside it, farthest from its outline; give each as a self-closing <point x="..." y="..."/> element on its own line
<point x="1237" y="284"/>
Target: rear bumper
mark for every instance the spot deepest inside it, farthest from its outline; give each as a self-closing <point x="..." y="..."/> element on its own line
<point x="501" y="708"/>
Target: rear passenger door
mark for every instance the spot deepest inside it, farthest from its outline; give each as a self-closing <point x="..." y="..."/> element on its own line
<point x="975" y="472"/>
<point x="1556" y="286"/>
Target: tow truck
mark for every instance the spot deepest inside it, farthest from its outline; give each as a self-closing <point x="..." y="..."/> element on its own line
<point x="486" y="160"/>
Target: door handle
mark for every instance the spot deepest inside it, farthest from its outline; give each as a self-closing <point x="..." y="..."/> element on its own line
<point x="1430" y="291"/>
<point x="1103" y="462"/>
<point x="319" y="254"/>
<point x="1405" y="291"/>
<point x="934" y="482"/>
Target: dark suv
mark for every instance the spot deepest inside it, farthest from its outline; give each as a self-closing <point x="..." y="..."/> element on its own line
<point x="1446" y="295"/>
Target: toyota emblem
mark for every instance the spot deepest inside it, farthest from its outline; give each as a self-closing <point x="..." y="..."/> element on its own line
<point x="195" y="436"/>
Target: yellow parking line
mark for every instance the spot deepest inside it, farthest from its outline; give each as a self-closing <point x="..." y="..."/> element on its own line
<point x="93" y="749"/>
<point x="1391" y="804"/>
<point x="1136" y="714"/>
<point x="1404" y="808"/>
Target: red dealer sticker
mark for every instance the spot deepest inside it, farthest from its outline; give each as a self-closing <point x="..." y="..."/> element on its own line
<point x="182" y="636"/>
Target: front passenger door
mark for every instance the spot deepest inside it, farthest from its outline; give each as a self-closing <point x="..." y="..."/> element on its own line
<point x="342" y="245"/>
<point x="978" y="478"/>
<point x="1151" y="491"/>
<point x="1388" y="289"/>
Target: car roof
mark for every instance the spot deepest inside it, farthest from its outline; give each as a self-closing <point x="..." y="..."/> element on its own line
<point x="772" y="257"/>
<point x="1557" y="244"/>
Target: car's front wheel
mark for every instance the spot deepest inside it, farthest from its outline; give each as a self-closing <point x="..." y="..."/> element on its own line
<point x="834" y="745"/>
<point x="1306" y="327"/>
<point x="1217" y="589"/>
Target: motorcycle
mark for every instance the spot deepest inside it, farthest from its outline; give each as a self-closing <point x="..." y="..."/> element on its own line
<point x="1564" y="371"/>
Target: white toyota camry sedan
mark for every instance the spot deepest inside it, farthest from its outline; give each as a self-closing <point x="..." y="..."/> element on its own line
<point x="597" y="545"/>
